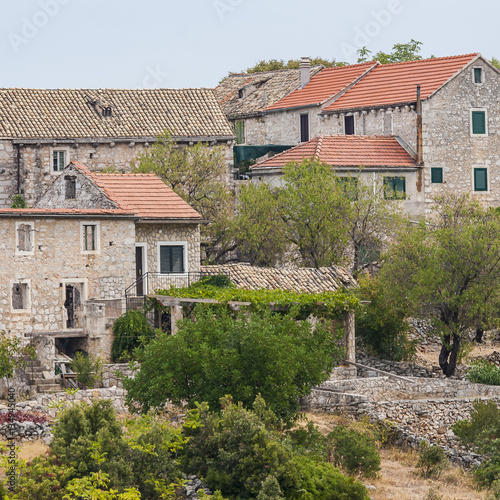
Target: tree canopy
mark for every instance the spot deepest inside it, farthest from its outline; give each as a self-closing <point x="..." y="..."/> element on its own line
<point x="316" y="217"/>
<point x="276" y="64"/>
<point x="198" y="175"/>
<point x="401" y="52"/>
<point x="275" y="355"/>
<point x="449" y="268"/>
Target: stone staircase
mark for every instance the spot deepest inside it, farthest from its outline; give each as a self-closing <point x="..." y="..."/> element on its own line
<point x="41" y="379"/>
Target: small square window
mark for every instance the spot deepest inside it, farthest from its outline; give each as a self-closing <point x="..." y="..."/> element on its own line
<point x="394" y="188"/>
<point x="478" y="75"/>
<point x="171" y="259"/>
<point x="478" y="122"/>
<point x="436" y="175"/>
<point x="480" y="179"/>
<point x="58" y="161"/>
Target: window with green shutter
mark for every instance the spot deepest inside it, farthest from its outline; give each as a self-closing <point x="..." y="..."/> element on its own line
<point x="479" y="122"/>
<point x="436" y="175"/>
<point x="394" y="188"/>
<point x="478" y="75"/>
<point x="171" y="259"/>
<point x="480" y="179"/>
<point x="240" y="132"/>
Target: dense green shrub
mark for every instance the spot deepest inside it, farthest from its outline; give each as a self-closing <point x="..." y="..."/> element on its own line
<point x="241" y="453"/>
<point x="18" y="201"/>
<point x="353" y="451"/>
<point x="431" y="460"/>
<point x="382" y="325"/>
<point x="130" y="331"/>
<point x="483" y="372"/>
<point x="274" y="355"/>
<point x="482" y="433"/>
<point x="218" y="281"/>
<point x="88" y="369"/>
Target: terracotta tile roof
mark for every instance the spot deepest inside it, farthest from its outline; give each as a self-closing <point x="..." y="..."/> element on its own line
<point x="69" y="114"/>
<point x="397" y="83"/>
<point x="269" y="87"/>
<point x="323" y="86"/>
<point x="299" y="279"/>
<point x="145" y="195"/>
<point x="346" y="151"/>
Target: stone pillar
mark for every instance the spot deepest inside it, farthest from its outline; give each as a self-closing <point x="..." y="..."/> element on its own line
<point x="175" y="315"/>
<point x="348" y="371"/>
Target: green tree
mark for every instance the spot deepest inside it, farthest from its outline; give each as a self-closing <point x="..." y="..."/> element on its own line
<point x="198" y="174"/>
<point x="401" y="52"/>
<point x="449" y="268"/>
<point x="130" y="331"/>
<point x="272" y="354"/>
<point x="277" y="64"/>
<point x="259" y="230"/>
<point x="495" y="62"/>
<point x="13" y="355"/>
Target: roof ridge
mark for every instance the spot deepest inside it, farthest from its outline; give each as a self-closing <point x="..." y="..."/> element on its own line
<point x="416" y="61"/>
<point x="319" y="145"/>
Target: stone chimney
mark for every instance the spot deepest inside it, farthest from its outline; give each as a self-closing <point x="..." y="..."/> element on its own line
<point x="305" y="71"/>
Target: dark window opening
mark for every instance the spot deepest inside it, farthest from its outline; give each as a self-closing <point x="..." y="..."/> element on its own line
<point x="108" y="111"/>
<point x="349" y="125"/>
<point x="89" y="238"/>
<point x="70" y="187"/>
<point x="394" y="188"/>
<point x="304" y="128"/>
<point x="73" y="306"/>
<point x="478" y="75"/>
<point x="436" y="175"/>
<point x="171" y="259"/>
<point x="19" y="296"/>
<point x="480" y="179"/>
<point x="240" y="93"/>
<point x="479" y="122"/>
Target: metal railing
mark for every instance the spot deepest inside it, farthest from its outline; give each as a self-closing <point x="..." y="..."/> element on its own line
<point x="136" y="293"/>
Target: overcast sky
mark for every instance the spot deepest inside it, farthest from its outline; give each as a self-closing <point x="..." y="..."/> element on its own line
<point x="195" y="43"/>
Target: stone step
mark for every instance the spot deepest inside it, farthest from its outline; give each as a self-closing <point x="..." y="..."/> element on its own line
<point x="46" y="381"/>
<point x="49" y="388"/>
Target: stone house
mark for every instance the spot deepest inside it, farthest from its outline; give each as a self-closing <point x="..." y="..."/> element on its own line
<point x="67" y="262"/>
<point x="384" y="162"/>
<point x="446" y="110"/>
<point x="243" y="98"/>
<point x="41" y="131"/>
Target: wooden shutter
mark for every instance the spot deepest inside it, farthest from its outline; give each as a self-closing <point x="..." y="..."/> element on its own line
<point x="480" y="179"/>
<point x="479" y="122"/>
<point x="304" y="128"/>
<point x="437" y="175"/>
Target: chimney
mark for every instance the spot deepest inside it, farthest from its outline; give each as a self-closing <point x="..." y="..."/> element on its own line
<point x="305" y="71"/>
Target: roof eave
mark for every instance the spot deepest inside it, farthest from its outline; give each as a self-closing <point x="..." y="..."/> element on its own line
<point x="166" y="220"/>
<point x="363" y="108"/>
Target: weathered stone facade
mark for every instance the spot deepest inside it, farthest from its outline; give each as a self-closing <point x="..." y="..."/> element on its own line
<point x="153" y="235"/>
<point x="57" y="261"/>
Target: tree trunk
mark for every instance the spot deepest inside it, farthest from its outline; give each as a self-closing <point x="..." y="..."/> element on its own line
<point x="449" y="355"/>
<point x="479" y="335"/>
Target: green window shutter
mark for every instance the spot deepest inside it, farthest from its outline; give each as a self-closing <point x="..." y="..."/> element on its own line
<point x="240" y="132"/>
<point x="394" y="188"/>
<point x="171" y="259"/>
<point x="479" y="122"/>
<point x="436" y="175"/>
<point x="478" y="75"/>
<point x="480" y="179"/>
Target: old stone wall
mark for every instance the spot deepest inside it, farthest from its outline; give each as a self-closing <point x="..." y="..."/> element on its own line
<point x="36" y="171"/>
<point x="155" y="234"/>
<point x="56" y="261"/>
<point x="449" y="143"/>
<point x="110" y="377"/>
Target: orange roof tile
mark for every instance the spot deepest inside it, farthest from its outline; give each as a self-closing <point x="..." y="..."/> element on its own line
<point x="146" y="195"/>
<point x="346" y="151"/>
<point x="323" y="86"/>
<point x="397" y="83"/>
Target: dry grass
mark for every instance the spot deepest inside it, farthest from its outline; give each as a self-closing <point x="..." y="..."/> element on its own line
<point x="400" y="479"/>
